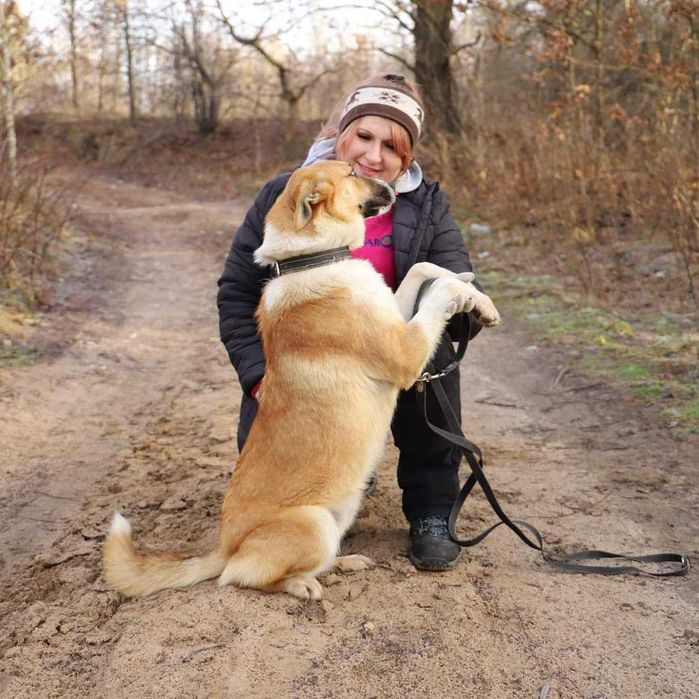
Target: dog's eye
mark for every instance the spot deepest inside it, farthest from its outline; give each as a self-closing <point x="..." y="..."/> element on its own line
<point x="353" y="173"/>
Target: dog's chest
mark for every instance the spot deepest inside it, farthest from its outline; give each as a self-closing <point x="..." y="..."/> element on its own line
<point x="355" y="278"/>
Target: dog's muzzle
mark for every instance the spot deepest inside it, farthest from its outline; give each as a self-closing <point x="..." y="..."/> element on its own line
<point x="380" y="200"/>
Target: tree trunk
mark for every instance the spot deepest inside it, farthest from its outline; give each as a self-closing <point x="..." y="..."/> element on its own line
<point x="116" y="77"/>
<point x="206" y="105"/>
<point x="70" y="19"/>
<point x="133" y="107"/>
<point x="293" y="119"/>
<point x="599" y="80"/>
<point x="433" y="45"/>
<point x="8" y="104"/>
<point x="100" y="80"/>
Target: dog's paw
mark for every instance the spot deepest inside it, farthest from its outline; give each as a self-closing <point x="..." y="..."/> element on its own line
<point x="352" y="563"/>
<point x="428" y="270"/>
<point x="466" y="277"/>
<point x="304" y="587"/>
<point x="485" y="312"/>
<point x="451" y="296"/>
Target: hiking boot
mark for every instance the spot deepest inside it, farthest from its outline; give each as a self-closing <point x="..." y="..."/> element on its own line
<point x="431" y="547"/>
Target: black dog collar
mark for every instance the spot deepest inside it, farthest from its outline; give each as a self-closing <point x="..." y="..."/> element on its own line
<point x="318" y="259"/>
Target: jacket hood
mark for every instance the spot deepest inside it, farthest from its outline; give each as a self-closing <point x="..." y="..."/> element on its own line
<point x="325" y="150"/>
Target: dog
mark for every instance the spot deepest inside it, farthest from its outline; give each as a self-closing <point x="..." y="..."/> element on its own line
<point x="339" y="346"/>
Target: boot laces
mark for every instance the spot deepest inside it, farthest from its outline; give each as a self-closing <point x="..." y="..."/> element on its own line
<point x="434" y="525"/>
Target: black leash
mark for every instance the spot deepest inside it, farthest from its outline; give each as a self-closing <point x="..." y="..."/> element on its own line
<point x="474" y="457"/>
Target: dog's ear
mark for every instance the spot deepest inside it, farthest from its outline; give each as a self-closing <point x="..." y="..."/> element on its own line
<point x="310" y="193"/>
<point x="304" y="210"/>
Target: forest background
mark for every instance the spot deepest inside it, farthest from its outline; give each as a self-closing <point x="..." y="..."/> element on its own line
<point x="566" y="133"/>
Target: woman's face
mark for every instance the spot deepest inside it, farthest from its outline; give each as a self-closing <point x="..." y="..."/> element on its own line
<point x="370" y="149"/>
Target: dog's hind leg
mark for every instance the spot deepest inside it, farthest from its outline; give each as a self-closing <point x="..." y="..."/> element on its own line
<point x="286" y="553"/>
<point x="301" y="586"/>
<point x="352" y="563"/>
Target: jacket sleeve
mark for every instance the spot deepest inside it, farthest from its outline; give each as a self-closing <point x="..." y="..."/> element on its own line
<point x="239" y="291"/>
<point x="448" y="250"/>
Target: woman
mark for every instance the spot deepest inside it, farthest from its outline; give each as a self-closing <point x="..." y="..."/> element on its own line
<point x="376" y="130"/>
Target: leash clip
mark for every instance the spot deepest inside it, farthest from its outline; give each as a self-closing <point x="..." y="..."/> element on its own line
<point x="426" y="377"/>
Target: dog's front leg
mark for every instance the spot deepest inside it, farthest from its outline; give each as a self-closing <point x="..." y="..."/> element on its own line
<point x="397" y="353"/>
<point x="409" y="348"/>
<point x="445" y="297"/>
<point x="406" y="294"/>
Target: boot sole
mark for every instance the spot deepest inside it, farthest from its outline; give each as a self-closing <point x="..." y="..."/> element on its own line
<point x="433" y="566"/>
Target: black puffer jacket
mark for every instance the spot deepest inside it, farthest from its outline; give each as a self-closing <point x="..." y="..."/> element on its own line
<point x="423" y="230"/>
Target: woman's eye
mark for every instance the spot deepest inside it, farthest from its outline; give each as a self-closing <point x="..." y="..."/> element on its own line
<point x="364" y="137"/>
<point x="390" y="146"/>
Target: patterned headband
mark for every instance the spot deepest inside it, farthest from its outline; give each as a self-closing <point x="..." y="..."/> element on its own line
<point x="384" y="102"/>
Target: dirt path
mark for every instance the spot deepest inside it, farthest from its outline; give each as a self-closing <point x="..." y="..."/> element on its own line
<point x="133" y="404"/>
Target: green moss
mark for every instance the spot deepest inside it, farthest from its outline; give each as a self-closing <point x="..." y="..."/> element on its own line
<point x="690" y="411"/>
<point x="652" y="357"/>
<point x="16" y="354"/>
<point x="632" y="371"/>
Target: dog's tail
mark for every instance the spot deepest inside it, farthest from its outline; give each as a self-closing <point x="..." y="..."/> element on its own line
<point x="134" y="574"/>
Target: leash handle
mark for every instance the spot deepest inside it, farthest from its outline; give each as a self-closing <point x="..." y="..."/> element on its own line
<point x="567" y="562"/>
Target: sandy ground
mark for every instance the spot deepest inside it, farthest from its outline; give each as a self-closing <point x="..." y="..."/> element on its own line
<point x="132" y="403"/>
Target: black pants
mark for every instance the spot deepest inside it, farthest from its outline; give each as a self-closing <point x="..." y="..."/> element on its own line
<point x="427" y="466"/>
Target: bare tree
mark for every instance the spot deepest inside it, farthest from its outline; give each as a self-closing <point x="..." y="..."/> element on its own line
<point x="69" y="12"/>
<point x="104" y="24"/>
<point x="124" y="14"/>
<point x="429" y="24"/>
<point x="433" y="52"/>
<point x="291" y="91"/>
<point x="208" y="69"/>
<point x="6" y="82"/>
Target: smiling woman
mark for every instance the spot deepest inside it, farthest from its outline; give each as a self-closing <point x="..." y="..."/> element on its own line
<point x="376" y="147"/>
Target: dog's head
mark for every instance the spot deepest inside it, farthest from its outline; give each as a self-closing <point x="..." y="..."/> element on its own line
<point x="322" y="207"/>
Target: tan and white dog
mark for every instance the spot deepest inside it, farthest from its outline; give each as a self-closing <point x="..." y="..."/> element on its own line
<point x="339" y="346"/>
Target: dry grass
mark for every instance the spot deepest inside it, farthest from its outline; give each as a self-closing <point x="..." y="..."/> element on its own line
<point x="33" y="216"/>
<point x="582" y="126"/>
<point x="170" y="153"/>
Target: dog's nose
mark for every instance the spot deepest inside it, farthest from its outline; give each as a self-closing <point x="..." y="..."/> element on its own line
<point x="382" y="192"/>
<point x="381" y="198"/>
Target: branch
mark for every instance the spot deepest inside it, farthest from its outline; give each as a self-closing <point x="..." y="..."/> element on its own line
<point x="394" y="13"/>
<point x="550" y="23"/>
<point x="468" y="45"/>
<point x="288" y="93"/>
<point x="398" y="58"/>
<point x="194" y="58"/>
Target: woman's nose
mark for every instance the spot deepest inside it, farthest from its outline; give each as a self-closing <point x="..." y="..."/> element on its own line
<point x="374" y="152"/>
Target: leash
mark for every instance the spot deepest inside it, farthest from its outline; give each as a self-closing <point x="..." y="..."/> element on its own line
<point x="530" y="535"/>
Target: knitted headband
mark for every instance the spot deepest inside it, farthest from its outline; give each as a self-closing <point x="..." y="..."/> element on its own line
<point x="391" y="98"/>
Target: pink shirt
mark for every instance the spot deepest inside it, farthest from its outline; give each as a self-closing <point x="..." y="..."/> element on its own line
<point x="378" y="246"/>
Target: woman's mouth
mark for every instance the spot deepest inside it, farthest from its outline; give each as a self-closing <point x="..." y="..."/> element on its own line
<point x="368" y="171"/>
